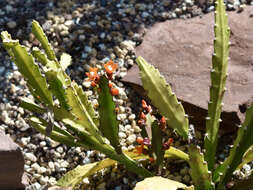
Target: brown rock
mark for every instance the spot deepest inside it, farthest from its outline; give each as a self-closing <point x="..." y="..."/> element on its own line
<point x="182" y="49"/>
<point x="11" y="164"/>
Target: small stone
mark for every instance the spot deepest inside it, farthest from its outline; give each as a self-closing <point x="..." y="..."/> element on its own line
<point x="86" y="180"/>
<point x="210" y="9"/>
<point x="42" y="170"/>
<point x="8" y="8"/>
<point x="130" y="62"/>
<point x="246" y="167"/>
<point x="25" y="140"/>
<point x="187" y="179"/>
<point x="81" y="37"/>
<point x="59" y="149"/>
<point x="124" y="148"/>
<point x="101" y="186"/>
<point x="64" y="33"/>
<point x="130" y="147"/>
<point x="2" y="69"/>
<point x="122" y="94"/>
<point x="117" y="188"/>
<point x="102" y="35"/>
<point x="166" y="3"/>
<point x="131" y="139"/>
<point x="11" y="24"/>
<point x="78" y="150"/>
<point x="121" y="117"/>
<point x="145" y="14"/>
<point x="37" y="185"/>
<point x="43" y="180"/>
<point x="68" y="23"/>
<point x="31" y="157"/>
<point x="137" y="129"/>
<point x="5" y="117"/>
<point x="35" y="166"/>
<point x="88" y="49"/>
<point x="64" y="164"/>
<point x="125" y="180"/>
<point x="122" y="109"/>
<point x="57" y="154"/>
<point x="131" y="117"/>
<point x="43" y="143"/>
<point x="52" y="181"/>
<point x="51" y="165"/>
<point x="102" y="47"/>
<point x="122" y="135"/>
<point x="128" y="127"/>
<point x="183" y="171"/>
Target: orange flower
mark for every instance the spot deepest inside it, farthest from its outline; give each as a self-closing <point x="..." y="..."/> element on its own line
<point x="163" y="123"/>
<point x="115" y="91"/>
<point x="151" y="159"/>
<point x="110" y="67"/>
<point x="144" y="104"/>
<point x="93" y="74"/>
<point x="110" y="85"/>
<point x="139" y="140"/>
<point x="139" y="149"/>
<point x="142" y="116"/>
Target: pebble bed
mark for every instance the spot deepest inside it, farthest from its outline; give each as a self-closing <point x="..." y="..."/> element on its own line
<point x="92" y="33"/>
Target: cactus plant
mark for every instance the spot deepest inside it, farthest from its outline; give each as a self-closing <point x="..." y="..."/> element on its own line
<point x="48" y="82"/>
<point x="73" y="109"/>
<point x="218" y="79"/>
<point x="203" y="172"/>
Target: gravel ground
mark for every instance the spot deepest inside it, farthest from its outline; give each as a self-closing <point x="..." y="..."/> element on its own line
<point x="92" y="33"/>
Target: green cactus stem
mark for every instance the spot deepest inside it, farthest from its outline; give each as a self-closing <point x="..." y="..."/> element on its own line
<point x="25" y="62"/>
<point x="157" y="144"/>
<point x="201" y="177"/>
<point x="40" y="35"/>
<point x="243" y="142"/>
<point x="218" y="79"/>
<point x="162" y="97"/>
<point x="109" y="126"/>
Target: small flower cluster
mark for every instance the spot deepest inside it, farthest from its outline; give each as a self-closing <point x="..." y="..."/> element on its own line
<point x="144" y="146"/>
<point x="94" y="77"/>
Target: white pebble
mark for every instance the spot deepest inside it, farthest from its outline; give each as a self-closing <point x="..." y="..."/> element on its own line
<point x="131" y="117"/>
<point x="12" y="24"/>
<point x="25" y="140"/>
<point x="43" y="143"/>
<point x="137" y="129"/>
<point x="59" y="149"/>
<point x="131" y="147"/>
<point x="122" y="135"/>
<point x="35" y="166"/>
<point x="51" y="165"/>
<point x="42" y="170"/>
<point x="131" y="139"/>
<point x="64" y="164"/>
<point x="31" y="157"/>
<point x="52" y="181"/>
<point x="43" y="180"/>
<point x="121" y="117"/>
<point x="86" y="180"/>
<point x="128" y="127"/>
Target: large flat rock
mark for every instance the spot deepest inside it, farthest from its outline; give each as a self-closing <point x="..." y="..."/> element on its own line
<point x="182" y="49"/>
<point x="11" y="164"/>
